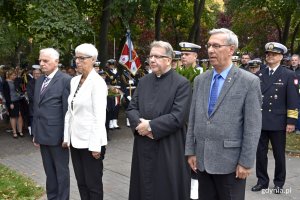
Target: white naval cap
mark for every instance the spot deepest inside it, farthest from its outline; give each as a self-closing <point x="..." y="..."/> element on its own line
<point x="235" y="58"/>
<point x="190" y="47"/>
<point x="275" y="47"/>
<point x="36" y="66"/>
<point x="254" y="63"/>
<point x="177" y="55"/>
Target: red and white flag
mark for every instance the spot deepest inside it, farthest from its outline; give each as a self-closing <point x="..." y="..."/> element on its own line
<point x="129" y="57"/>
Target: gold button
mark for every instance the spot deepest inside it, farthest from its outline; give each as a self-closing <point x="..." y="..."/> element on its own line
<point x="270" y="110"/>
<point x="276" y="89"/>
<point x="270" y="103"/>
<point x="271" y="96"/>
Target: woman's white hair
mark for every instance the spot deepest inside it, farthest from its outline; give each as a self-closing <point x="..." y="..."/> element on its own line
<point x="232" y="38"/>
<point x="50" y="51"/>
<point x="87" y="49"/>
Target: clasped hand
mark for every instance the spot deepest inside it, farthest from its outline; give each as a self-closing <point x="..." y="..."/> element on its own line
<point x="142" y="128"/>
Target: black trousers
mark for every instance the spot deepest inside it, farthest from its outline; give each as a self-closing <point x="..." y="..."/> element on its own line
<point x="88" y="173"/>
<point x="220" y="186"/>
<point x="278" y="139"/>
<point x="56" y="165"/>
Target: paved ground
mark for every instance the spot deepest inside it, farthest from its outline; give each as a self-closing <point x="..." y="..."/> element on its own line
<point x="19" y="154"/>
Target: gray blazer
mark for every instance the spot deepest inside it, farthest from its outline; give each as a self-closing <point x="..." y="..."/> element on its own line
<point x="50" y="108"/>
<point x="230" y="135"/>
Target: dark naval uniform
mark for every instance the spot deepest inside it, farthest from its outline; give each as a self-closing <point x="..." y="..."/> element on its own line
<point x="279" y="108"/>
<point x="113" y="99"/>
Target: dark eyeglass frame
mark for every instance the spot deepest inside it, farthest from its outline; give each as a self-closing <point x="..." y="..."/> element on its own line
<point x="81" y="58"/>
<point x="216" y="46"/>
<point x="157" y="56"/>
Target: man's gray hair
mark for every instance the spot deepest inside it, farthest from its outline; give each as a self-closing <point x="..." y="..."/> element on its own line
<point x="166" y="45"/>
<point x="232" y="38"/>
<point x="295" y="55"/>
<point x="50" y="51"/>
<point x="87" y="49"/>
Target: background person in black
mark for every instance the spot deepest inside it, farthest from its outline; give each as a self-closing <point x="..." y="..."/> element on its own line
<point x="279" y="115"/>
<point x="113" y="80"/>
<point x="295" y="66"/>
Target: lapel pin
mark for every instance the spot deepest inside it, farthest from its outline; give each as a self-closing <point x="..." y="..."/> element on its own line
<point x="229" y="79"/>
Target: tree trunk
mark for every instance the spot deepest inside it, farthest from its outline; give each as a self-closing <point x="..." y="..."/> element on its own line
<point x="286" y="28"/>
<point x="294" y="37"/>
<point x="158" y="19"/>
<point x="198" y="9"/>
<point x="104" y="31"/>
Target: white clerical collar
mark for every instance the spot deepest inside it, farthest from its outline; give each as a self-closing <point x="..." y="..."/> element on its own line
<point x="168" y="69"/>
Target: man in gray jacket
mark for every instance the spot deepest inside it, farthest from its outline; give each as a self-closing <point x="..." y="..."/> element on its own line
<point x="50" y="106"/>
<point x="224" y="122"/>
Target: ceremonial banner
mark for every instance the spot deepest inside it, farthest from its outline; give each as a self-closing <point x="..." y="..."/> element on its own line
<point x="129" y="57"/>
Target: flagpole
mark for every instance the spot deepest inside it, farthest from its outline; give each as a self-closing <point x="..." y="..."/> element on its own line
<point x="114" y="48"/>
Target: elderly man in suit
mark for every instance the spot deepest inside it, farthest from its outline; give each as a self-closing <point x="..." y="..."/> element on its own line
<point x="224" y="123"/>
<point x="50" y="105"/>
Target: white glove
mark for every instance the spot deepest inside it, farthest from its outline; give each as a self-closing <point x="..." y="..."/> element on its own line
<point x="129" y="98"/>
<point x="130" y="82"/>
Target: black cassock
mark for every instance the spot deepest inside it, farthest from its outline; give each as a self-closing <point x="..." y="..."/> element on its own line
<point x="159" y="168"/>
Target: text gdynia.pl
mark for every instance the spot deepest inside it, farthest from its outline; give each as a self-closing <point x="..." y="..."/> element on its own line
<point x="272" y="191"/>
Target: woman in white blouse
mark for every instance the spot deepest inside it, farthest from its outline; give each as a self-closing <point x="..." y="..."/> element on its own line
<point x="85" y="131"/>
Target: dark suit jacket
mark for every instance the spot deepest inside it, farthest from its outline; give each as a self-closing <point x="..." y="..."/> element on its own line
<point x="50" y="108"/>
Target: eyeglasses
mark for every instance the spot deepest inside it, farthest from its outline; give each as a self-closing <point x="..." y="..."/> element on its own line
<point x="157" y="57"/>
<point x="216" y="46"/>
<point x="81" y="58"/>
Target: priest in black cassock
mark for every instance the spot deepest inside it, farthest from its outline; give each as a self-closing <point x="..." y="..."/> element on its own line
<point x="158" y="113"/>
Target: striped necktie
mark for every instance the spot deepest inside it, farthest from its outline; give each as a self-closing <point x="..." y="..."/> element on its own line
<point x="45" y="84"/>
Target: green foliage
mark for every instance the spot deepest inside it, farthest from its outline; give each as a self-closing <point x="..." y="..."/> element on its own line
<point x="57" y="24"/>
<point x="189" y="73"/>
<point x="17" y="187"/>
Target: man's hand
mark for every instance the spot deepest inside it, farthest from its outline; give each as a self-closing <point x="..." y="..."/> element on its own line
<point x="96" y="155"/>
<point x="35" y="144"/>
<point x="142" y="128"/>
<point x="242" y="172"/>
<point x="290" y="128"/>
<point x="64" y="145"/>
<point x="192" y="162"/>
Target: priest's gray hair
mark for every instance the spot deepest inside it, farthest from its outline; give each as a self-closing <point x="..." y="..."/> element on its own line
<point x="50" y="51"/>
<point x="232" y="38"/>
<point x="87" y="49"/>
<point x="166" y="45"/>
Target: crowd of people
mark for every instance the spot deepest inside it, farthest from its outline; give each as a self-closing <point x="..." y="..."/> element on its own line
<point x="191" y="141"/>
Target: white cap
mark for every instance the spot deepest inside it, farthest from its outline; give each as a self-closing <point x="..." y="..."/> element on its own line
<point x="36" y="67"/>
<point x="275" y="47"/>
<point x="190" y="47"/>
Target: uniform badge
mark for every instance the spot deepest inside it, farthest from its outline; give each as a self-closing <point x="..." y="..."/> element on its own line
<point x="296" y="81"/>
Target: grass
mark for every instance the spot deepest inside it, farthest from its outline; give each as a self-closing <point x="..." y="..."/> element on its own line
<point x="14" y="186"/>
<point x="293" y="142"/>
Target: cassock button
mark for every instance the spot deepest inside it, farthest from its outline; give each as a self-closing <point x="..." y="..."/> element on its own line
<point x="270" y="103"/>
<point x="271" y="97"/>
<point x="270" y="110"/>
<point x="276" y="90"/>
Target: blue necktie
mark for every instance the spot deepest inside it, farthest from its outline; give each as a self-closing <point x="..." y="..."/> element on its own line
<point x="214" y="93"/>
